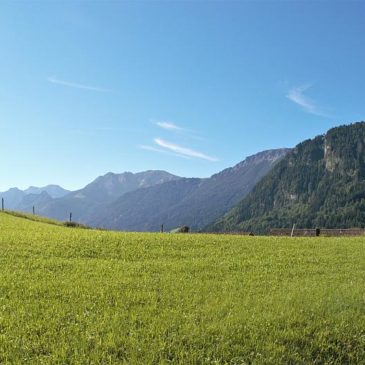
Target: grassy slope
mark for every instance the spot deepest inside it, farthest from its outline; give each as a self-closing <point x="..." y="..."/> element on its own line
<point x="32" y="217"/>
<point x="41" y="219"/>
<point x="91" y="297"/>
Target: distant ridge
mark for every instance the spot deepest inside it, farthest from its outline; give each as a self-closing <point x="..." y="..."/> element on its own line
<point x="19" y="199"/>
<point x="54" y="191"/>
<point x="103" y="190"/>
<point x="145" y="200"/>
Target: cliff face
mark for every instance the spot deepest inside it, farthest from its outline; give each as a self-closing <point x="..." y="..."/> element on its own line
<point x="344" y="153"/>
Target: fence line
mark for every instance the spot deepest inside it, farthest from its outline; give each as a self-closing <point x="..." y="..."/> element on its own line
<point x="310" y="232"/>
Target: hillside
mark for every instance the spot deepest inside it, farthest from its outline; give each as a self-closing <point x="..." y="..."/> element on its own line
<point x="144" y="209"/>
<point x="40" y="219"/>
<point x="80" y="296"/>
<point x="188" y="201"/>
<point x="321" y="183"/>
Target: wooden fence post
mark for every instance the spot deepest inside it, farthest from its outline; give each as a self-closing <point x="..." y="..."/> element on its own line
<point x="292" y="231"/>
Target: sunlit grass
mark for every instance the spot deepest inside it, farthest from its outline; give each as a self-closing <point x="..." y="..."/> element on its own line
<point x="72" y="296"/>
<point x="41" y="219"/>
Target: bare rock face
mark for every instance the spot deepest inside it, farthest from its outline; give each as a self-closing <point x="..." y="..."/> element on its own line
<point x="344" y="153"/>
<point x="331" y="161"/>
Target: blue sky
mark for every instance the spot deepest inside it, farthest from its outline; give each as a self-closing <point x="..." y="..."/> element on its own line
<point x="190" y="87"/>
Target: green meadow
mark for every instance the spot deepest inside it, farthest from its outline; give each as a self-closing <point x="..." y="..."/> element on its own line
<point x="77" y="296"/>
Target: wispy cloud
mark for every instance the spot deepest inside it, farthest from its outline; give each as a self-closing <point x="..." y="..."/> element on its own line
<point x="163" y="146"/>
<point x="296" y="95"/>
<point x="55" y="80"/>
<point x="172" y="127"/>
<point x="154" y="149"/>
<point x="184" y="151"/>
<point x="169" y="126"/>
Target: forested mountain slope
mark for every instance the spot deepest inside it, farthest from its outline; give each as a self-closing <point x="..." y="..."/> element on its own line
<point x="320" y="183"/>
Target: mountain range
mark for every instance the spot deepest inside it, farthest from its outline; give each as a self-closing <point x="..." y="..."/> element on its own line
<point x="19" y="199"/>
<point x="320" y="183"/>
<point x="145" y="200"/>
<point x="103" y="190"/>
<point x="187" y="201"/>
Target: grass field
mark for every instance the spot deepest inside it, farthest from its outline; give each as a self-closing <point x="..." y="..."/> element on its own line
<point x="74" y="296"/>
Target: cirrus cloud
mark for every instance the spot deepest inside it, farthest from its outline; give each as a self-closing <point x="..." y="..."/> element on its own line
<point x="297" y="96"/>
<point x="169" y="126"/>
<point x="184" y="151"/>
<point x="55" y="80"/>
<point x="160" y="150"/>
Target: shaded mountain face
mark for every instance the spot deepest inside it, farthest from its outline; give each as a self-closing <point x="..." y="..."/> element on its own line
<point x="144" y="209"/>
<point x="105" y="189"/>
<point x="320" y="183"/>
<point x="33" y="200"/>
<point x="192" y="202"/>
